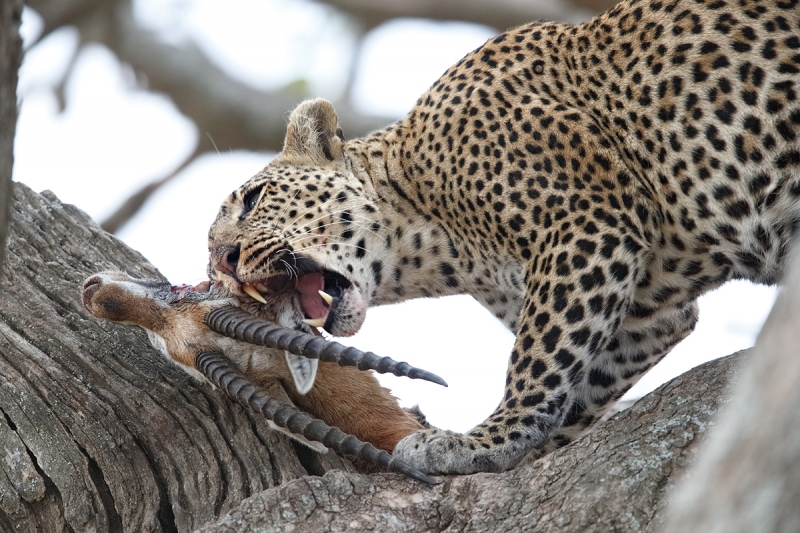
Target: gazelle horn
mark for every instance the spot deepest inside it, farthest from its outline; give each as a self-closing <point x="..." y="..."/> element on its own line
<point x="222" y="373"/>
<point x="241" y="325"/>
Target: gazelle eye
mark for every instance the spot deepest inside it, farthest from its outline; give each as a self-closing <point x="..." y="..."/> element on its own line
<point x="251" y="199"/>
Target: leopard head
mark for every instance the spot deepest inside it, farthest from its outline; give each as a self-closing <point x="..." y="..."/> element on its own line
<point x="302" y="226"/>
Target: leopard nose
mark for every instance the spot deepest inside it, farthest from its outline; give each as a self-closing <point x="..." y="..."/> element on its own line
<point x="225" y="259"/>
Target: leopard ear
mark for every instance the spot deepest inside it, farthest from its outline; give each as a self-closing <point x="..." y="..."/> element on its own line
<point x="314" y="133"/>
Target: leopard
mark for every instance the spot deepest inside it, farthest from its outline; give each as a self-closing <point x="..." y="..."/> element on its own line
<point x="586" y="183"/>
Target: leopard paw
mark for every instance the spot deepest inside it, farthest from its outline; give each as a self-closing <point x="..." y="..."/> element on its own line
<point x="437" y="451"/>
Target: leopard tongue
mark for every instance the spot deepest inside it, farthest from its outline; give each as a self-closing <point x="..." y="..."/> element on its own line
<point x="309" y="287"/>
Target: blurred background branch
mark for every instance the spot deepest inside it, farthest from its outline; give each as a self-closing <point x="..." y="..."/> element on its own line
<point x="230" y="114"/>
<point x="500" y="14"/>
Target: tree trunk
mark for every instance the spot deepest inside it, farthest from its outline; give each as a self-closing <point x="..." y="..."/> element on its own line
<point x="10" y="58"/>
<point x="99" y="432"/>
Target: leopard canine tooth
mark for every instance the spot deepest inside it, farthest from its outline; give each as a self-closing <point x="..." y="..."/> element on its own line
<point x="315" y="322"/>
<point x="253" y="293"/>
<point x="327" y="297"/>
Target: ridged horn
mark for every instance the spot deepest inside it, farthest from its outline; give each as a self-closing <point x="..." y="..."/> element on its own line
<point x="241" y="325"/>
<point x="222" y="373"/>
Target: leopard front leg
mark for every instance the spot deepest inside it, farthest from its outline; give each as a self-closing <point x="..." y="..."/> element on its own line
<point x="566" y="321"/>
<point x="637" y="345"/>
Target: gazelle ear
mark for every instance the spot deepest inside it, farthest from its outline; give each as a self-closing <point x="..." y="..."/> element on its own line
<point x="313" y="133"/>
<point x="303" y="369"/>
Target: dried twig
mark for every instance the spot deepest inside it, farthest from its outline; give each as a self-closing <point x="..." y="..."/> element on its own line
<point x="134" y="203"/>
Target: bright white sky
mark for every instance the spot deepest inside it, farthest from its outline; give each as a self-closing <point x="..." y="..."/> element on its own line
<point x="112" y="137"/>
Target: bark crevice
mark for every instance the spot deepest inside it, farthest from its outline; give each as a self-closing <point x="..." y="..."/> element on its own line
<point x="114" y="521"/>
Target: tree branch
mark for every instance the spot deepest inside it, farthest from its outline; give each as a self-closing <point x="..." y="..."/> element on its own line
<point x="10" y="58"/>
<point x="134" y="203"/>
<point x="619" y="477"/>
<point x="236" y="115"/>
<point x="108" y="435"/>
<point x="103" y="433"/>
<point x="616" y="478"/>
<point x="500" y="14"/>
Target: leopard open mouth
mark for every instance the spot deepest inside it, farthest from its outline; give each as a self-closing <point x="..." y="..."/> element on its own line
<point x="193" y="292"/>
<point x="318" y="293"/>
<point x="180" y="292"/>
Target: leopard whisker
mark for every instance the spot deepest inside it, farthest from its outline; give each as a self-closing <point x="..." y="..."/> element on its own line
<point x="293" y="271"/>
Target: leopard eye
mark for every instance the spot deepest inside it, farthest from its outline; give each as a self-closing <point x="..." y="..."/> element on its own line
<point x="251" y="199"/>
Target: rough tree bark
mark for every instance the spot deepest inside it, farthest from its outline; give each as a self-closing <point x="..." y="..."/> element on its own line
<point x="99" y="432"/>
<point x="619" y="477"/>
<point x="10" y="58"/>
<point x="616" y="478"/>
